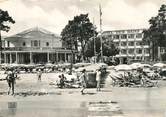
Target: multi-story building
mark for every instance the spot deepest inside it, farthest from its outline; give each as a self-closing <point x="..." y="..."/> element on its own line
<point x="34" y="45"/>
<point x="129" y="43"/>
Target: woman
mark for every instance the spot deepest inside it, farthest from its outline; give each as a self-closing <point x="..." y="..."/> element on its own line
<point x="83" y="79"/>
<point x="98" y="78"/>
<point x="11" y="80"/>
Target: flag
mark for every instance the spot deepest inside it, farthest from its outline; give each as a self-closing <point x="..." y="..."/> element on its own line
<point x="100" y="14"/>
<point x="100" y="10"/>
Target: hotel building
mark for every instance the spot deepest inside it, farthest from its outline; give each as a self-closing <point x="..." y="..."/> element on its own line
<point x="129" y="43"/>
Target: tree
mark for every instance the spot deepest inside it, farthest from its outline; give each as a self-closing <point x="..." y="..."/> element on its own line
<point x="4" y="20"/>
<point x="155" y="36"/>
<point x="78" y="31"/>
<point x="109" y="48"/>
<point x="163" y="56"/>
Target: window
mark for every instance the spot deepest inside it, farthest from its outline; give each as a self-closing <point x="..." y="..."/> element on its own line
<point x="124" y="51"/>
<point x="116" y="36"/>
<point x="123" y="36"/>
<point x="131" y="51"/>
<point x="35" y="43"/>
<point x="138" y="43"/>
<point x="8" y="43"/>
<point x="116" y="44"/>
<point x="24" y="44"/>
<point x="139" y="35"/>
<point x="131" y="36"/>
<point x="146" y="51"/>
<point x="47" y="43"/>
<point x="123" y="43"/>
<point x="162" y="50"/>
<point x="138" y="58"/>
<point x="131" y="43"/>
<point x="110" y="36"/>
<point x="139" y="51"/>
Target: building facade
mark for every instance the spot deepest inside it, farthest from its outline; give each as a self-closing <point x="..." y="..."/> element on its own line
<point x="129" y="43"/>
<point x="34" y="45"/>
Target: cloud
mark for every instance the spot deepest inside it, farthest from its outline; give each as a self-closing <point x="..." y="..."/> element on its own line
<point x="140" y="2"/>
<point x="53" y="15"/>
<point x="120" y="15"/>
<point x="26" y="17"/>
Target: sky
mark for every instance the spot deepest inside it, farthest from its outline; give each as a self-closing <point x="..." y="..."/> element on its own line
<point x="53" y="15"/>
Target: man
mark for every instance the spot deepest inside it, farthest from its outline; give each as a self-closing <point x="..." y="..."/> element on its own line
<point x="98" y="78"/>
<point x="62" y="81"/>
<point x="39" y="74"/>
<point x="83" y="79"/>
<point x="11" y="80"/>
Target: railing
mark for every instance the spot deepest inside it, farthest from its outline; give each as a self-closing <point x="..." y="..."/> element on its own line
<point x="34" y="49"/>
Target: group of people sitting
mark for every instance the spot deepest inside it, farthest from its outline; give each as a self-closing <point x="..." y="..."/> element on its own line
<point x="134" y="78"/>
<point x="62" y="80"/>
<point x="82" y="80"/>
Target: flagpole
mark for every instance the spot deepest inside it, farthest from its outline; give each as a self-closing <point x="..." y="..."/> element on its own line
<point x="94" y="41"/>
<point x="101" y="40"/>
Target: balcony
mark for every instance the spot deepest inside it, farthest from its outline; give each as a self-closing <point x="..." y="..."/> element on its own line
<point x="116" y="40"/>
<point x="35" y="49"/>
<point x="146" y="46"/>
<point x="131" y="47"/>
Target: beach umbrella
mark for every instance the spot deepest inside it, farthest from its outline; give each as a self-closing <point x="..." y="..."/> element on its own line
<point x="81" y="64"/>
<point x="49" y="65"/>
<point x="92" y="67"/>
<point x="116" y="75"/>
<point x="136" y="65"/>
<point x="103" y="65"/>
<point x="66" y="65"/>
<point x="4" y="65"/>
<point x="146" y="65"/>
<point x="14" y="65"/>
<point x="110" y="67"/>
<point x="29" y="65"/>
<point x="123" y="67"/>
<point x="159" y="65"/>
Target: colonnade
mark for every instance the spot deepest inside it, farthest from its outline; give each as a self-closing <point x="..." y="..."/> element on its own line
<point x="35" y="57"/>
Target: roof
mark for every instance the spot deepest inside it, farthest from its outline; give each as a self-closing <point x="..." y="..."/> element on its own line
<point x="121" y="30"/>
<point x="2" y="37"/>
<point x="35" y="29"/>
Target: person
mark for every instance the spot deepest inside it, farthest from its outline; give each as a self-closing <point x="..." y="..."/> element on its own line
<point x="11" y="80"/>
<point x="39" y="74"/>
<point x="62" y="81"/>
<point x="98" y="78"/>
<point x="83" y="79"/>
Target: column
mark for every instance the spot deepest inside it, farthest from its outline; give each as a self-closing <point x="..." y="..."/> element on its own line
<point x="0" y="57"/>
<point x="10" y="58"/>
<point x="65" y="56"/>
<point x="56" y="56"/>
<point x="159" y="54"/>
<point x="16" y="58"/>
<point x="30" y="58"/>
<point x="127" y="44"/>
<point x="5" y="58"/>
<point x="135" y="46"/>
<point x="121" y="61"/>
<point x="48" y="57"/>
<point x="143" y="53"/>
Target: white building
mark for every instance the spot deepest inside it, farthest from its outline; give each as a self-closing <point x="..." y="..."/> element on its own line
<point x="129" y="43"/>
<point x="35" y="45"/>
